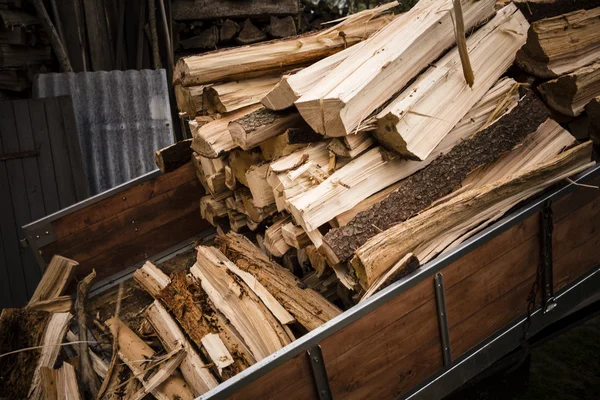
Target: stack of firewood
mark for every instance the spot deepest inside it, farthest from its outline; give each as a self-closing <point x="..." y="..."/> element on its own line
<point x="339" y="161"/>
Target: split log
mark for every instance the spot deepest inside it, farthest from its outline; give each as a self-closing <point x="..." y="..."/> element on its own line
<point x="386" y="63"/>
<point x="213" y="139"/>
<point x="212" y="210"/>
<point x="240" y="161"/>
<point x="593" y="111"/>
<point x="165" y="370"/>
<point x="250" y="34"/>
<point x="294" y="236"/>
<point x="207" y="39"/>
<point x="231" y="96"/>
<point x="228" y="30"/>
<point x="132" y="349"/>
<point x="560" y="45"/>
<point x="317" y="261"/>
<point x="249" y="61"/>
<point x="274" y="242"/>
<point x="88" y="378"/>
<point x="60" y="384"/>
<point x="255" y="214"/>
<point x="192" y="367"/>
<point x="440" y="97"/>
<point x="207" y="9"/>
<point x="261" y="331"/>
<point x="534" y="10"/>
<point x="151" y="278"/>
<point x="198" y="318"/>
<point x="190" y="100"/>
<point x="55" y="305"/>
<point x="288" y="142"/>
<point x="262" y="124"/>
<point x="351" y="146"/>
<point x="20" y="328"/>
<point x="308" y="307"/>
<point x="293" y="86"/>
<point x="344" y="218"/>
<point x="282" y="27"/>
<point x="569" y="94"/>
<point x="443" y="176"/>
<point x="407" y="264"/>
<point x="262" y="193"/>
<point x="377" y="255"/>
<point x="55" y="279"/>
<point x="174" y="156"/>
<point x="218" y="353"/>
<point x="53" y="335"/>
<point x="237" y="220"/>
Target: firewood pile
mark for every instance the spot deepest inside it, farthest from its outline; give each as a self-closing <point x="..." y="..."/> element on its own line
<point x="334" y="163"/>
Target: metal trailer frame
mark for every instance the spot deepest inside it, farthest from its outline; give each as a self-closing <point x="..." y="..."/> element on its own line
<point x="455" y="372"/>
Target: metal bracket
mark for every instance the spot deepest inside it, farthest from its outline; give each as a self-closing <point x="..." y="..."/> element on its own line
<point x="440" y="299"/>
<point x="547" y="227"/>
<point x="319" y="370"/>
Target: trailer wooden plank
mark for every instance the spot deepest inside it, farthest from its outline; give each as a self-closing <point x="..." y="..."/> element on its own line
<point x="572" y="231"/>
<point x="109" y="233"/>
<point x="6" y="299"/>
<point x="74" y="149"/>
<point x="8" y="222"/>
<point x="41" y="140"/>
<point x="575" y="200"/>
<point x="60" y="154"/>
<point x="124" y="200"/>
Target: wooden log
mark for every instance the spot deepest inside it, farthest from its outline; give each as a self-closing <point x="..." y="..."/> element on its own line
<point x="151" y="278"/>
<point x="55" y="279"/>
<point x="190" y="100"/>
<point x="255" y="214"/>
<point x="294" y="85"/>
<point x="261" y="331"/>
<point x="230" y="96"/>
<point x="90" y="384"/>
<point x="250" y="34"/>
<point x="20" y="328"/>
<point x="262" y="124"/>
<point x="444" y="175"/>
<point x="132" y="349"/>
<point x="274" y="242"/>
<point x="60" y="384"/>
<point x="207" y="39"/>
<point x="569" y="94"/>
<point x="249" y="61"/>
<point x="282" y="27"/>
<point x="440" y="97"/>
<point x="100" y="366"/>
<point x="308" y="307"/>
<point x="593" y="111"/>
<point x="212" y="210"/>
<point x="534" y="10"/>
<point x="206" y="9"/>
<point x="344" y="218"/>
<point x="386" y="63"/>
<point x="405" y="266"/>
<point x="174" y="156"/>
<point x="194" y="371"/>
<point x="165" y="370"/>
<point x="294" y="236"/>
<point x="262" y="193"/>
<point x="289" y="141"/>
<point x="218" y="353"/>
<point x="376" y="256"/>
<point x="359" y="142"/>
<point x="560" y="45"/>
<point x="228" y="30"/>
<point x="54" y="333"/>
<point x="198" y="317"/>
<point x="237" y="220"/>
<point x="55" y="305"/>
<point x="213" y="139"/>
<point x="240" y="161"/>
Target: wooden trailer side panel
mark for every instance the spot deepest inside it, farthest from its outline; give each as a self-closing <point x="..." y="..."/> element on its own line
<point x="396" y="346"/>
<point x="129" y="226"/>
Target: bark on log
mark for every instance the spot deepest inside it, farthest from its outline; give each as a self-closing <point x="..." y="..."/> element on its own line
<point x="262" y="124"/>
<point x="288" y="142"/>
<point x="569" y="94"/>
<point x="308" y="307"/>
<point x="560" y="45"/>
<point x="441" y="177"/>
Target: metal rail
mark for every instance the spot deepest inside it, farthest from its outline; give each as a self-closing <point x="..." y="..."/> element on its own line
<point x="315" y="337"/>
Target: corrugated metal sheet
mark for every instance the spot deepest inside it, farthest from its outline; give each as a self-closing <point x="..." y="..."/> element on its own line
<point x="122" y="117"/>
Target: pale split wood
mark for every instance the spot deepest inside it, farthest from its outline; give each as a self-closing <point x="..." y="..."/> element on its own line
<point x="262" y="193"/>
<point x="255" y="214"/>
<point x="165" y="371"/>
<point x="317" y="261"/>
<point x="295" y="236"/>
<point x="151" y="278"/>
<point x="308" y="307"/>
<point x="386" y="63"/>
<point x="408" y="263"/>
<point x="271" y="57"/>
<point x="55" y="279"/>
<point x="66" y="383"/>
<point x="217" y="352"/>
<point x="194" y="370"/>
<point x="274" y="241"/>
<point x="213" y="139"/>
<point x="240" y="161"/>
<point x="382" y="251"/>
<point x="190" y="100"/>
<point x="55" y="332"/>
<point x="562" y="44"/>
<point x="230" y="96"/>
<point x="138" y="356"/>
<point x="55" y="305"/>
<point x="461" y="43"/>
<point x="439" y="98"/>
<point x="260" y="125"/>
<point x="261" y="331"/>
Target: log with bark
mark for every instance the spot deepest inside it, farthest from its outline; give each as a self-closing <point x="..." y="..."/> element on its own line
<point x="443" y="176"/>
<point x="249" y="61"/>
<point x="560" y="45"/>
<point x="386" y="62"/>
<point x="289" y="141"/>
<point x="569" y="94"/>
<point x="174" y="156"/>
<point x="440" y="97"/>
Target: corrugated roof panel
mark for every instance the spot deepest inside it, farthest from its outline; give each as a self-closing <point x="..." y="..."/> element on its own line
<point x="123" y="117"/>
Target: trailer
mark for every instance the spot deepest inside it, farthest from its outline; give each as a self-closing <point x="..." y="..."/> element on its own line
<point x="422" y="337"/>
